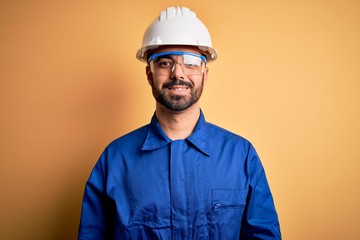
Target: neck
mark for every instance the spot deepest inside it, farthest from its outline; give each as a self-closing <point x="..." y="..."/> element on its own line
<point x="178" y="125"/>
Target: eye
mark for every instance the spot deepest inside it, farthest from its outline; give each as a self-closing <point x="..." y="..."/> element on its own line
<point x="192" y="62"/>
<point x="164" y="63"/>
<point x="191" y="65"/>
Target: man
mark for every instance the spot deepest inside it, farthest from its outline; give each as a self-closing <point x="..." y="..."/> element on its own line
<point x="178" y="177"/>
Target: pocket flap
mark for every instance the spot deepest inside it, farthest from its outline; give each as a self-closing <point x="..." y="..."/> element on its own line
<point x="229" y="197"/>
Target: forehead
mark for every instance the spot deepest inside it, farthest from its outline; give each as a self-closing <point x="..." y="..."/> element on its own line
<point x="190" y="49"/>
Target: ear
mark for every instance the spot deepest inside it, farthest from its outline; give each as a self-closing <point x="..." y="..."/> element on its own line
<point x="205" y="75"/>
<point x="149" y="75"/>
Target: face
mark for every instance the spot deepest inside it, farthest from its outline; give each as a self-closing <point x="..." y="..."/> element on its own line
<point x="177" y="91"/>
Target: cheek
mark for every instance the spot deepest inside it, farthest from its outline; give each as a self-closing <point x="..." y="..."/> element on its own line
<point x="157" y="82"/>
<point x="199" y="82"/>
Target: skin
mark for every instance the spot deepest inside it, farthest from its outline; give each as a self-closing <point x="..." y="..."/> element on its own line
<point x="177" y="123"/>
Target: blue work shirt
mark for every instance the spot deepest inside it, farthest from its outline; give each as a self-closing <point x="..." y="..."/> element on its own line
<point x="209" y="186"/>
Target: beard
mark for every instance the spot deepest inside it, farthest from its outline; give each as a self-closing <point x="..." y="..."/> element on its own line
<point x="175" y="102"/>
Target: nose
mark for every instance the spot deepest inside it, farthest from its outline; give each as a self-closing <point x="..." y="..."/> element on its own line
<point x="177" y="72"/>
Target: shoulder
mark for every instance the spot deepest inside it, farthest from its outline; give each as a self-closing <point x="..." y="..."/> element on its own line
<point x="219" y="132"/>
<point x="222" y="137"/>
<point x="133" y="138"/>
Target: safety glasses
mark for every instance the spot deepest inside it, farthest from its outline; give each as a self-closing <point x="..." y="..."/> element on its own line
<point x="164" y="63"/>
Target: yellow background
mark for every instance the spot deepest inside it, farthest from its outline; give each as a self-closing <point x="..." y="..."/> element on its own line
<point x="287" y="79"/>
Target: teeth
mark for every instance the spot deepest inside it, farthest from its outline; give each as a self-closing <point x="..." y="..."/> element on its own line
<point x="177" y="89"/>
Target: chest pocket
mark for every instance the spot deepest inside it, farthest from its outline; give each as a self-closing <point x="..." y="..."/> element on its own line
<point x="228" y="206"/>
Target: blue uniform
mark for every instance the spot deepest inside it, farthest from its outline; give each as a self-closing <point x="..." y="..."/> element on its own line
<point x="209" y="186"/>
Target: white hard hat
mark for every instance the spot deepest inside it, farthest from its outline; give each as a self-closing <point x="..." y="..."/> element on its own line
<point x="177" y="26"/>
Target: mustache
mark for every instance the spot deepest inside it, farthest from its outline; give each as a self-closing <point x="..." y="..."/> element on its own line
<point x="178" y="83"/>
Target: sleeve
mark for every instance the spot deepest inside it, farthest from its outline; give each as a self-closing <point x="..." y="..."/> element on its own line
<point x="260" y="219"/>
<point x="94" y="219"/>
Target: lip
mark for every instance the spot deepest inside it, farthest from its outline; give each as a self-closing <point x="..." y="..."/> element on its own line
<point x="177" y="84"/>
<point x="178" y="88"/>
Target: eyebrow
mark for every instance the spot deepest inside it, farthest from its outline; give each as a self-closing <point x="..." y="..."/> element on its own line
<point x="152" y="57"/>
<point x="168" y="56"/>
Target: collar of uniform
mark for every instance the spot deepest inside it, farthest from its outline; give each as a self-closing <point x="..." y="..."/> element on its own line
<point x="199" y="138"/>
<point x="156" y="138"/>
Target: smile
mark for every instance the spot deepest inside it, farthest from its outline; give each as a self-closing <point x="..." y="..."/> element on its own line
<point x="178" y="88"/>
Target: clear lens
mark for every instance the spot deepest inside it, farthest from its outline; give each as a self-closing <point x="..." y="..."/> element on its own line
<point x="163" y="64"/>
